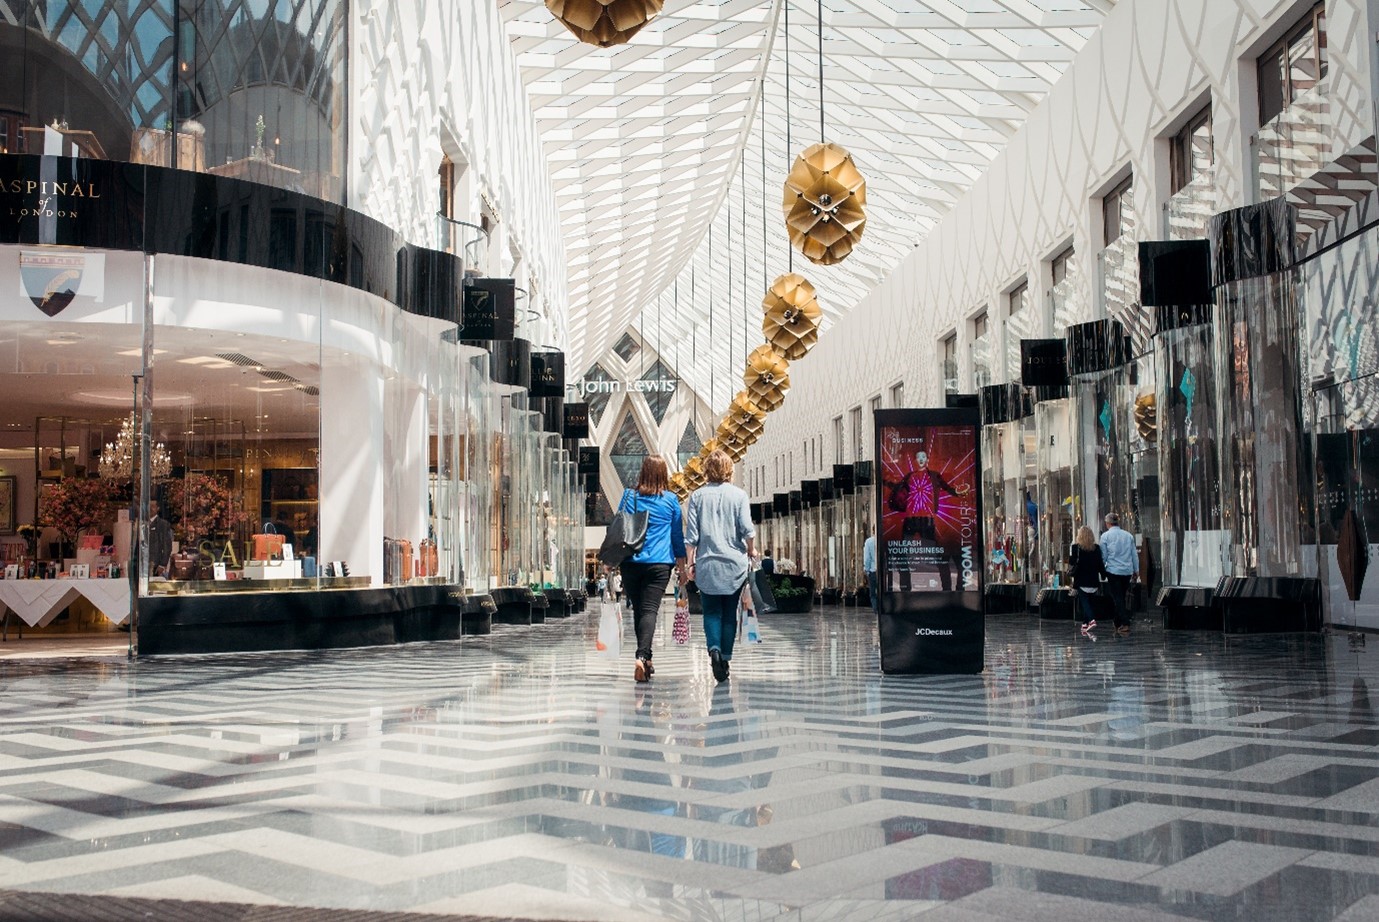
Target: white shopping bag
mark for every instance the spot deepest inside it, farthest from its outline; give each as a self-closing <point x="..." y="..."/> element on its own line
<point x="748" y="630"/>
<point x="609" y="644"/>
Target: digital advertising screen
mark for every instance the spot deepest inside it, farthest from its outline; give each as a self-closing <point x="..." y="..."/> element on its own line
<point x="929" y="540"/>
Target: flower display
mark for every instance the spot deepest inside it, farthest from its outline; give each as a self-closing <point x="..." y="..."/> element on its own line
<point x="74" y="505"/>
<point x="202" y="507"/>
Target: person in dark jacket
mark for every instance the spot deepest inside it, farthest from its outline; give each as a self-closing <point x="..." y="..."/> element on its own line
<point x="646" y="574"/>
<point x="1087" y="570"/>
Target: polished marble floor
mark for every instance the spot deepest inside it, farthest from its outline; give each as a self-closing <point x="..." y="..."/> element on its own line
<point x="1152" y="777"/>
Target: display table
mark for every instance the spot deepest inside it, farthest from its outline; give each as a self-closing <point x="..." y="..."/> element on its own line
<point x="37" y="602"/>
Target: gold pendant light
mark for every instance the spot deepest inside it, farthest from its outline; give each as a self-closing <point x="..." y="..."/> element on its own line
<point x="825" y="204"/>
<point x="767" y="378"/>
<point x="792" y="314"/>
<point x="744" y="412"/>
<point x="604" y="22"/>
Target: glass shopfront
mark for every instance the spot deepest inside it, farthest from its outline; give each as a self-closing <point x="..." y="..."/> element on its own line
<point x="245" y="91"/>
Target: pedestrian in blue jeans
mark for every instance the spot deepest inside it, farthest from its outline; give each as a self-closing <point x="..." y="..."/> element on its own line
<point x="719" y="538"/>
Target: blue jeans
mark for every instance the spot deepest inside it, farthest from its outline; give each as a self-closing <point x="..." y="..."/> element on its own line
<point x="871" y="587"/>
<point x="720" y="621"/>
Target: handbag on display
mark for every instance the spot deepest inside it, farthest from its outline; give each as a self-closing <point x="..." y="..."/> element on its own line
<point x="267" y="545"/>
<point x="183" y="566"/>
<point x="680" y="630"/>
<point x="626" y="533"/>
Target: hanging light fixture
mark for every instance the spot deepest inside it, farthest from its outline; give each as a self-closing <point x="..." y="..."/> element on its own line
<point x="767" y="377"/>
<point x="825" y="195"/>
<point x="792" y="314"/>
<point x="118" y="461"/>
<point x="604" y="22"/>
<point x="746" y="414"/>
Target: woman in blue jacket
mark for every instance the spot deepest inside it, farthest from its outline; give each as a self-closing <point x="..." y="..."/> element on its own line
<point x="646" y="574"/>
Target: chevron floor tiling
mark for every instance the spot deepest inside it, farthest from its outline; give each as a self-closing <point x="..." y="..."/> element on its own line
<point x="1154" y="777"/>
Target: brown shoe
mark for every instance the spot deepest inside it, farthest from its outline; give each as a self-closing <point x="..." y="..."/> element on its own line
<point x="639" y="673"/>
<point x="1123" y="630"/>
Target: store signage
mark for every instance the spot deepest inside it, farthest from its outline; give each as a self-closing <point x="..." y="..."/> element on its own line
<point x="1043" y="362"/>
<point x="780" y="503"/>
<point x="929" y="547"/>
<point x="576" y="421"/>
<point x="547" y="373"/>
<point x="861" y="472"/>
<point x="809" y="493"/>
<point x="844" y="480"/>
<point x="490" y="309"/>
<point x="658" y="385"/>
<point x="588" y="460"/>
<point x="52" y="279"/>
<point x="1175" y="273"/>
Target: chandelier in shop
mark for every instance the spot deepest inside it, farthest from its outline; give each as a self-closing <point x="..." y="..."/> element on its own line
<point x="117" y="461"/>
<point x="767" y="377"/>
<point x="825" y="204"/>
<point x="604" y="22"/>
<point x="792" y="315"/>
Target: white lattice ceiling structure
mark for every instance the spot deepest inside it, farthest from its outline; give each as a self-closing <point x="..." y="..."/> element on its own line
<point x="668" y="153"/>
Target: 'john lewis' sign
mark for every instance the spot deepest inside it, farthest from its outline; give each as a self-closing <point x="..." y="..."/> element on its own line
<point x="661" y="385"/>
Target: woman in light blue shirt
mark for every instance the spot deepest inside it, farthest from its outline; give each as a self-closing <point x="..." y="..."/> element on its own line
<point x="720" y="540"/>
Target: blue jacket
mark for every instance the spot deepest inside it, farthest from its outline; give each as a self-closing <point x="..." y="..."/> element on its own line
<point x="665" y="532"/>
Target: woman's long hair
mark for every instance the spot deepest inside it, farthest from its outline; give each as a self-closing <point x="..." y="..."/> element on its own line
<point x="654" y="478"/>
<point x="1086" y="539"/>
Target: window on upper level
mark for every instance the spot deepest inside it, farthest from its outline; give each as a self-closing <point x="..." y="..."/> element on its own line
<point x="1190" y="151"/>
<point x="1062" y="265"/>
<point x="1116" y="216"/>
<point x="1294" y="65"/>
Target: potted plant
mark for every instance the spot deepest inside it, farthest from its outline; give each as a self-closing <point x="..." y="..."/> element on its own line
<point x="75" y="505"/>
<point x="203" y="507"/>
<point x="794" y="594"/>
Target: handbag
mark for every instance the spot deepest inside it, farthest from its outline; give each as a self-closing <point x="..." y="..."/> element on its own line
<point x="748" y="628"/>
<point x="183" y="566"/>
<point x="267" y="545"/>
<point x="626" y="534"/>
<point x="609" y="643"/>
<point x="680" y="630"/>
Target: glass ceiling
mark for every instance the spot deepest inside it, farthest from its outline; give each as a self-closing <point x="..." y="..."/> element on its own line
<point x="665" y="150"/>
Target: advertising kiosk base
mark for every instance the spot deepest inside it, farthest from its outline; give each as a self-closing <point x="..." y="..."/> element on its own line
<point x="944" y="640"/>
<point x="1006" y="598"/>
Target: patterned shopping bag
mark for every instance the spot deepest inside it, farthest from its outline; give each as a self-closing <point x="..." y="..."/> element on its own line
<point x="680" y="630"/>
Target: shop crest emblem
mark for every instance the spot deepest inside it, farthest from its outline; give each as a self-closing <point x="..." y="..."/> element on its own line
<point x="51" y="282"/>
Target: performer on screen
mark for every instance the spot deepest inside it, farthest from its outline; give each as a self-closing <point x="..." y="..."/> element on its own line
<point x="917" y="495"/>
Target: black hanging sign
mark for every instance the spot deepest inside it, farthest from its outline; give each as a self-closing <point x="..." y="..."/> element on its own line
<point x="576" y="421"/>
<point x="843" y="480"/>
<point x="809" y="493"/>
<point x="780" y="503"/>
<point x="929" y="540"/>
<point x="490" y="309"/>
<point x="589" y="459"/>
<point x="547" y="373"/>
<point x="1043" y="362"/>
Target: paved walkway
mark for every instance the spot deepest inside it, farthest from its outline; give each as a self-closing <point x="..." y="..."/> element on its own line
<point x="518" y="776"/>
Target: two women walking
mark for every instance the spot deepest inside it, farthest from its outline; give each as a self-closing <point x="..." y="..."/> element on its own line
<point x="712" y="543"/>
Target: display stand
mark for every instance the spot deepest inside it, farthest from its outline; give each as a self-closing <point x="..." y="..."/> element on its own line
<point x="929" y="541"/>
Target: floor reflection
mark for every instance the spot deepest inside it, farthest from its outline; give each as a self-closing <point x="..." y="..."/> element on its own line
<point x="1175" y="776"/>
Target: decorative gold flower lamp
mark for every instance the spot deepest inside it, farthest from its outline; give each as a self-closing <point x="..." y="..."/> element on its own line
<point x="767" y="378"/>
<point x="792" y="315"/>
<point x="604" y="22"/>
<point x="825" y="204"/>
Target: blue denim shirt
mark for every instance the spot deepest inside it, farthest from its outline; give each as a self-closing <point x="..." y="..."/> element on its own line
<point x="869" y="554"/>
<point x="1118" y="552"/>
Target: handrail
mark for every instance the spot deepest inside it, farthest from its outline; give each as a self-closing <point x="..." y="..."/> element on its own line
<point x="485" y="234"/>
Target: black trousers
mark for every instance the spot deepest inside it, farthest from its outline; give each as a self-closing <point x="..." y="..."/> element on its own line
<point x="645" y="585"/>
<point x="1117" y="586"/>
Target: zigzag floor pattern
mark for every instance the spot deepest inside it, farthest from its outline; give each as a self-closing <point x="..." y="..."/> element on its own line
<point x="517" y="775"/>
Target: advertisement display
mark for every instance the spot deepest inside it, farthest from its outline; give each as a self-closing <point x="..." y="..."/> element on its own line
<point x="929" y="546"/>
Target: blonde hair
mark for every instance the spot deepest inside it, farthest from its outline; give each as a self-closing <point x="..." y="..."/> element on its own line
<point x="718" y="467"/>
<point x="1086" y="538"/>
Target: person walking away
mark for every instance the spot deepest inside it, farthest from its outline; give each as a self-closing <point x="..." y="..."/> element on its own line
<point x="1122" y="562"/>
<point x="720" y="538"/>
<point x="768" y="564"/>
<point x="615" y="584"/>
<point x="647" y="573"/>
<point x="869" y="568"/>
<point x="1087" y="570"/>
<point x="603" y="587"/>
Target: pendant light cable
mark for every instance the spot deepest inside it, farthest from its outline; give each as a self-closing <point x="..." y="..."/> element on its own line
<point x="789" y="111"/>
<point x="821" y="71"/>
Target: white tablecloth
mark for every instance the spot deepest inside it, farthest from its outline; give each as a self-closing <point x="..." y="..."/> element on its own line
<point x="39" y="601"/>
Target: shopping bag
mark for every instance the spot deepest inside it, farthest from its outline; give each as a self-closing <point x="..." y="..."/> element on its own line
<point x="748" y="628"/>
<point x="609" y="645"/>
<point x="680" y="631"/>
